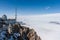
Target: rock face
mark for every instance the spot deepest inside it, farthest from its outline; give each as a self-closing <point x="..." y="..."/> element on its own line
<point x="18" y="32"/>
<point x="26" y="33"/>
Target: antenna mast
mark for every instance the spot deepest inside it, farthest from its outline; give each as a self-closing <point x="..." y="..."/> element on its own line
<point x="16" y="14"/>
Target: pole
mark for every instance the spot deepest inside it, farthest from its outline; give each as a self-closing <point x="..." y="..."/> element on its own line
<point x="16" y="14"/>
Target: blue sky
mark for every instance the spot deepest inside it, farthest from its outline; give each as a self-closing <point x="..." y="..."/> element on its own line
<point x="29" y="7"/>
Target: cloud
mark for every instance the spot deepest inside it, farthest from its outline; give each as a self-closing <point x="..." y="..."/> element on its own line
<point x="47" y="7"/>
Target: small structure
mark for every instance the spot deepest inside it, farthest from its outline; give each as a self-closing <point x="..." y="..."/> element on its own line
<point x="4" y="17"/>
<point x="4" y="20"/>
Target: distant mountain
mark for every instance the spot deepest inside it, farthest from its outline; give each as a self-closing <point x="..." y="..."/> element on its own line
<point x="54" y="22"/>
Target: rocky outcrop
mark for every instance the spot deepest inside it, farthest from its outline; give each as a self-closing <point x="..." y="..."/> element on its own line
<point x="18" y="32"/>
<point x="26" y="33"/>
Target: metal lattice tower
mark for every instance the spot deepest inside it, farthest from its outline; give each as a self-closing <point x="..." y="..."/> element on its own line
<point x="16" y="14"/>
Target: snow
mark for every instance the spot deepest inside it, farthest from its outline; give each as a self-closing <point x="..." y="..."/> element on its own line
<point x="41" y="24"/>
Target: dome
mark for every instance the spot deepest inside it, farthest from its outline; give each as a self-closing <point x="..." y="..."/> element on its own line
<point x="4" y="17"/>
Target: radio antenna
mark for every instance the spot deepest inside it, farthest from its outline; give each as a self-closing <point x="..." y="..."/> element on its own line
<point x="16" y="14"/>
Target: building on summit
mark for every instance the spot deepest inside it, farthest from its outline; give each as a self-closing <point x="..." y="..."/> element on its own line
<point x="5" y="20"/>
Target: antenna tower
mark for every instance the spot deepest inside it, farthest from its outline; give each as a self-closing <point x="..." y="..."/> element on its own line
<point x="16" y="14"/>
